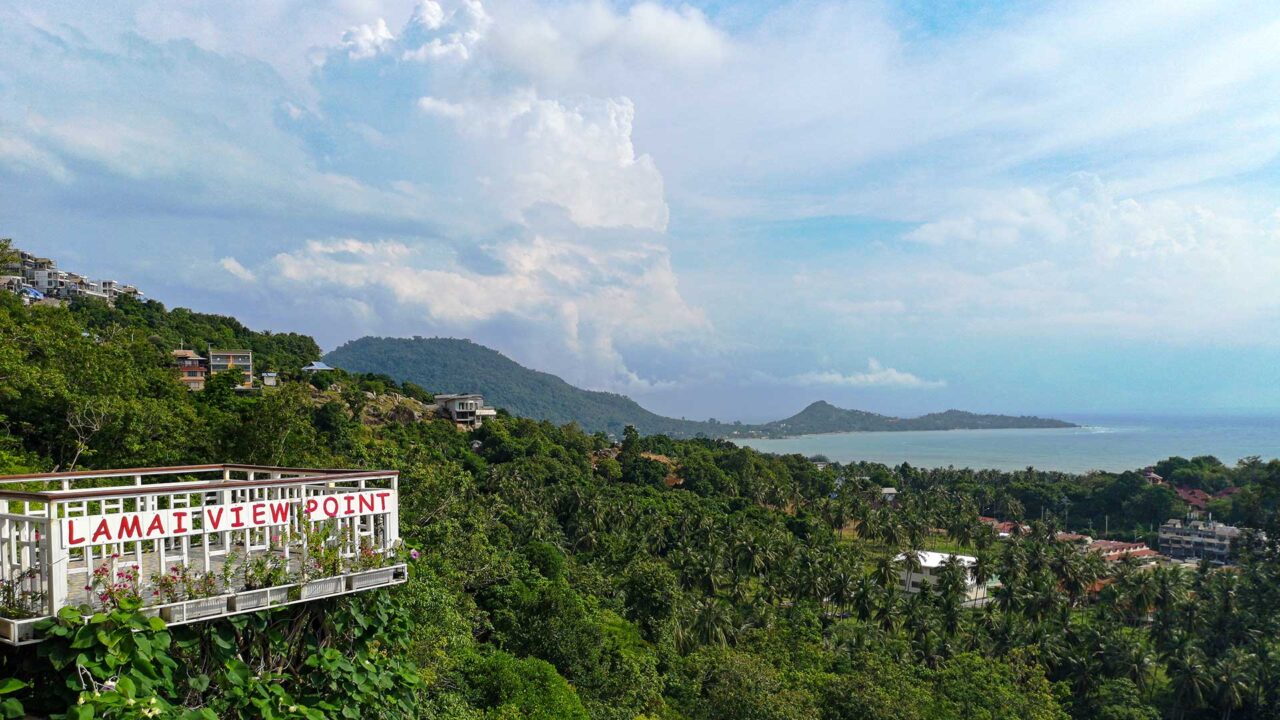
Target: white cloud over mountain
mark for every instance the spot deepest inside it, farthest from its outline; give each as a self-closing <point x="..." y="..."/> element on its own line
<point x="876" y="375"/>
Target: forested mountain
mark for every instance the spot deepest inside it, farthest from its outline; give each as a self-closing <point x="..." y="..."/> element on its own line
<point x="452" y="365"/>
<point x="561" y="577"/>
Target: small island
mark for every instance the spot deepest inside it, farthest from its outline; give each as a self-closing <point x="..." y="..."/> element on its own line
<point x="822" y="417"/>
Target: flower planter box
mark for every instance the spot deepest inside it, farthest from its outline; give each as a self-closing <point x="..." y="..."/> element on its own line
<point x="195" y="609"/>
<point x="371" y="578"/>
<point x="324" y="587"/>
<point x="260" y="598"/>
<point x="18" y="631"/>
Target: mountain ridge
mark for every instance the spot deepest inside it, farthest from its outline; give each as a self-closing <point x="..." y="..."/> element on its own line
<point x="460" y="365"/>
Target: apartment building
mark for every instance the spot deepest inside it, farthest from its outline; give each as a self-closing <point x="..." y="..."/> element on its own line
<point x="1197" y="539"/>
<point x="193" y="370"/>
<point x="235" y="360"/>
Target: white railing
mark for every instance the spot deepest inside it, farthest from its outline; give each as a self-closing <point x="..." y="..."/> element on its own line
<point x="237" y="530"/>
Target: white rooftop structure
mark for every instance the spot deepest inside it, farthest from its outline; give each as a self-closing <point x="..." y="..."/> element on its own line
<point x="931" y="560"/>
<point x="931" y="569"/>
<point x="317" y="366"/>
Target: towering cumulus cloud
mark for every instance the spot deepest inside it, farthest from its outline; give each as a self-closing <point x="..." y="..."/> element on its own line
<point x="548" y="221"/>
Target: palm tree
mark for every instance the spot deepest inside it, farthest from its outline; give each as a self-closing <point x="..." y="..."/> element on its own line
<point x="1190" y="678"/>
<point x="710" y="622"/>
<point x="843" y="586"/>
<point x="864" y="599"/>
<point x="887" y="611"/>
<point x="1232" y="679"/>
<point x="911" y="566"/>
<point x="886" y="572"/>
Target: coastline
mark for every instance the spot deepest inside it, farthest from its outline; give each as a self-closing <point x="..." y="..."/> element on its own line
<point x="1108" y="444"/>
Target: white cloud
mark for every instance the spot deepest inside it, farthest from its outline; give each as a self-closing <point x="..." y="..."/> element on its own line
<point x="234" y="267"/>
<point x="876" y="375"/>
<point x="441" y="108"/>
<point x="17" y="152"/>
<point x="576" y="298"/>
<point x="434" y="33"/>
<point x="1081" y="257"/>
<point x="365" y="41"/>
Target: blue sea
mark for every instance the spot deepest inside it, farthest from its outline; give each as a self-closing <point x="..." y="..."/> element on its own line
<point x="1112" y="443"/>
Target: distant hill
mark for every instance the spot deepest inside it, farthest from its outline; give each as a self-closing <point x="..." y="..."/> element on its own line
<point x="823" y="417"/>
<point x="452" y="365"/>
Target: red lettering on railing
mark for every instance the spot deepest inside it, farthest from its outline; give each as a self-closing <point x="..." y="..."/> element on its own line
<point x="130" y="525"/>
<point x="72" y="538"/>
<point x="104" y="529"/>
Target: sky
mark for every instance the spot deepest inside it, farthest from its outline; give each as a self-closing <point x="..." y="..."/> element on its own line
<point x="722" y="209"/>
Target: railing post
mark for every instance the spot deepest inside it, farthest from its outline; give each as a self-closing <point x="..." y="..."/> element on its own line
<point x="6" y="542"/>
<point x="393" y="517"/>
<point x="58" y="561"/>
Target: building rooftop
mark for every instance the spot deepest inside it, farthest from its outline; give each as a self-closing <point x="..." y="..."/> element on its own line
<point x="931" y="559"/>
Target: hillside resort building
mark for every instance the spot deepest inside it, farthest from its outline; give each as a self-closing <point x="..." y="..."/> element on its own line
<point x="467" y="411"/>
<point x="39" y="278"/>
<point x="242" y="360"/>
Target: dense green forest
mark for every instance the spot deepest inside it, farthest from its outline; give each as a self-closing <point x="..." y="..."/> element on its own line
<point x="451" y="365"/>
<point x="560" y="576"/>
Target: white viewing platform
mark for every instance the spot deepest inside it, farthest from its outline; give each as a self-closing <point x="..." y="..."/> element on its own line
<point x="193" y="542"/>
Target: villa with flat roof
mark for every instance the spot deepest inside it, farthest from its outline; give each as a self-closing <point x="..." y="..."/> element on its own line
<point x="929" y="568"/>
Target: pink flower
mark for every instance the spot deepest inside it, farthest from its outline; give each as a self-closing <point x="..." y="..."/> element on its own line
<point x="88" y="587"/>
<point x="115" y="555"/>
<point x="413" y="554"/>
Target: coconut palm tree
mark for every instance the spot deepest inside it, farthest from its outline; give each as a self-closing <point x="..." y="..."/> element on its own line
<point x="911" y="566"/>
<point x="886" y="572"/>
<point x="864" y="598"/>
<point x="1232" y="680"/>
<point x="1190" y="678"/>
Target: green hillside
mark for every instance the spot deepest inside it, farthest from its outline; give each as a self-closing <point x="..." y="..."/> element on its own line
<point x="452" y="365"/>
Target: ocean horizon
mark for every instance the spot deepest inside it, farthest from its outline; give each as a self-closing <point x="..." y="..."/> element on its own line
<point x="1102" y="442"/>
